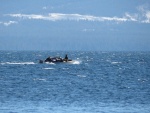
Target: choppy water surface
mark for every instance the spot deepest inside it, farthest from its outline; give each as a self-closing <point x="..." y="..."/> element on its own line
<point x="96" y="82"/>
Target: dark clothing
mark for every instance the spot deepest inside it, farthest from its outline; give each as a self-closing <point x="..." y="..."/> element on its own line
<point x="66" y="57"/>
<point x="48" y="59"/>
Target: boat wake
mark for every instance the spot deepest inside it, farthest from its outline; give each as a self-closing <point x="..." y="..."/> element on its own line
<point x="17" y="63"/>
<point x="76" y="62"/>
<point x="50" y="63"/>
<point x="69" y="62"/>
<point x="32" y="63"/>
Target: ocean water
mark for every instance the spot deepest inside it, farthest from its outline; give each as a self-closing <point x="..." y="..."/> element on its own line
<point x="96" y="82"/>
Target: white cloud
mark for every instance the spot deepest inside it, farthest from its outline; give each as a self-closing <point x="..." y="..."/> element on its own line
<point x="131" y="17"/>
<point x="147" y="17"/>
<point x="8" y="23"/>
<point x="74" y="17"/>
<point x="144" y="14"/>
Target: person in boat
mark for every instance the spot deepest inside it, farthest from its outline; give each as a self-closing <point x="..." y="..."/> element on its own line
<point x="66" y="58"/>
<point x="59" y="59"/>
<point x="48" y="59"/>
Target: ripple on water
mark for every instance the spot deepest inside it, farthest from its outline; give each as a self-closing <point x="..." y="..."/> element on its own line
<point x="48" y="68"/>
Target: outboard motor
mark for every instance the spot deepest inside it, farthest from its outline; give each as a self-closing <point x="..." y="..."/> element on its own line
<point x="41" y="61"/>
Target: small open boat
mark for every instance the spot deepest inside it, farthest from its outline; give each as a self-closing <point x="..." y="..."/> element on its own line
<point x="55" y="60"/>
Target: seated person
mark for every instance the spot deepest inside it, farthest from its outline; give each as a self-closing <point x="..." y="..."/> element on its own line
<point x="66" y="58"/>
<point x="48" y="59"/>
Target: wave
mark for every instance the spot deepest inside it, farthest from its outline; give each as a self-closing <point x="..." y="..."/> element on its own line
<point x="116" y="62"/>
<point x="83" y="76"/>
<point x="65" y="68"/>
<point x="18" y="63"/>
<point x="39" y="79"/>
<point x="48" y="68"/>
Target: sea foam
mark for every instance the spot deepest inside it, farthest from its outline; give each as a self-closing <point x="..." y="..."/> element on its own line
<point x="18" y="63"/>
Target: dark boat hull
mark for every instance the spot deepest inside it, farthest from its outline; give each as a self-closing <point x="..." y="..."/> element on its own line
<point x="55" y="60"/>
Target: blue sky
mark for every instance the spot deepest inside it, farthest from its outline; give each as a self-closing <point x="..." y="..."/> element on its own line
<point x="93" y="25"/>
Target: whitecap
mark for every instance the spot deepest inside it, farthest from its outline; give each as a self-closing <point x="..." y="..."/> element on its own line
<point x="48" y="68"/>
<point x="2" y="63"/>
<point x="83" y="76"/>
<point x="39" y="79"/>
<point x="116" y="62"/>
<point x="65" y="68"/>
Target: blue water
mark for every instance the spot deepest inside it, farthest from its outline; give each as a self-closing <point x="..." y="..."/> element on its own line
<point x="96" y="82"/>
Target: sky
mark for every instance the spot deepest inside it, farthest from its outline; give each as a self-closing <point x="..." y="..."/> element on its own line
<point x="80" y="25"/>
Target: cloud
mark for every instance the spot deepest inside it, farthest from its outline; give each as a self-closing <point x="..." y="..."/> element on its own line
<point x="142" y="16"/>
<point x="71" y="17"/>
<point x="147" y="15"/>
<point x="8" y="23"/>
<point x="131" y="17"/>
